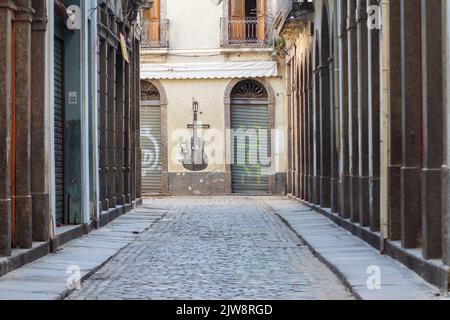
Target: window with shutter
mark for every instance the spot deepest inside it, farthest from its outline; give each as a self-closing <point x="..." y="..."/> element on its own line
<point x="237" y="22"/>
<point x="152" y="18"/>
<point x="261" y="19"/>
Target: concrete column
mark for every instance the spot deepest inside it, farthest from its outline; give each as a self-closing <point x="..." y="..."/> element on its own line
<point x="446" y="167"/>
<point x="432" y="128"/>
<point x="395" y="123"/>
<point x="103" y="124"/>
<point x="411" y="123"/>
<point x="120" y="107"/>
<point x="344" y="165"/>
<point x="317" y="136"/>
<point x="22" y="192"/>
<point x="334" y="114"/>
<point x="289" y="122"/>
<point x="374" y="125"/>
<point x="363" y="123"/>
<point x="127" y="141"/>
<point x="137" y="113"/>
<point x="301" y="130"/>
<point x="39" y="192"/>
<point x="311" y="149"/>
<point x="305" y="130"/>
<point x="6" y="12"/>
<point x="353" y="111"/>
<point x="112" y="54"/>
<point x="385" y="114"/>
<point x="296" y="131"/>
<point x="133" y="125"/>
<point x="325" y="133"/>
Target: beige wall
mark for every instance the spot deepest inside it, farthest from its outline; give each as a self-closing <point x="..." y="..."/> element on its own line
<point x="210" y="94"/>
<point x="194" y="24"/>
<point x="195" y="37"/>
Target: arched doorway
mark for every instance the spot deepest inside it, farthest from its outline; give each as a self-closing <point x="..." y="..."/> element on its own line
<point x="250" y="142"/>
<point x="151" y="139"/>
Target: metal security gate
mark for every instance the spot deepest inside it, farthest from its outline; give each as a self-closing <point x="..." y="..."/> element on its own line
<point x="59" y="128"/>
<point x="251" y="148"/>
<point x="151" y="147"/>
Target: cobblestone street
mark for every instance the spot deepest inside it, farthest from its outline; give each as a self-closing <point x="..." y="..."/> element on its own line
<point x="214" y="248"/>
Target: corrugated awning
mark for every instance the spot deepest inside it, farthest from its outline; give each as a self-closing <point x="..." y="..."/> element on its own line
<point x="209" y="70"/>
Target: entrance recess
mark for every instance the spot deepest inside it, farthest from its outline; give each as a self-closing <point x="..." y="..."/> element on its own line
<point x="59" y="121"/>
<point x="251" y="159"/>
<point x="151" y="137"/>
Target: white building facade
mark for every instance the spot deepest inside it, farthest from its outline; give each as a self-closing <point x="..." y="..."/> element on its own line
<point x="212" y="101"/>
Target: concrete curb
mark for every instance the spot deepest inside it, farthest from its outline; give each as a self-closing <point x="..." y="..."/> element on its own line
<point x="348" y="257"/>
<point x="45" y="278"/>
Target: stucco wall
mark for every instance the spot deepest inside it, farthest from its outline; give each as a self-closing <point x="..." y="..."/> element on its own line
<point x="195" y="37"/>
<point x="210" y="95"/>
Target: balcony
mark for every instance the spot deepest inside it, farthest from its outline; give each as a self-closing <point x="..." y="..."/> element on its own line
<point x="246" y="32"/>
<point x="155" y="34"/>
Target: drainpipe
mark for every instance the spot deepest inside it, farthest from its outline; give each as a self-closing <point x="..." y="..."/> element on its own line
<point x="384" y="118"/>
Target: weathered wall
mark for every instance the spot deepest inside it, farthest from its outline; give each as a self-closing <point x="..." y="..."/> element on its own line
<point x="210" y="95"/>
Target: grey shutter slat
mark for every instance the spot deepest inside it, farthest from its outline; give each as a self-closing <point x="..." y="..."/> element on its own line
<point x="59" y="129"/>
<point x="250" y="177"/>
<point x="151" y="149"/>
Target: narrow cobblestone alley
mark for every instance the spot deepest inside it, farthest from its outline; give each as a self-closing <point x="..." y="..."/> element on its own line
<point x="214" y="248"/>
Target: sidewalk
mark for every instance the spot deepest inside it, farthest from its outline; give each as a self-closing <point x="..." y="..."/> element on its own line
<point x="46" y="278"/>
<point x="349" y="257"/>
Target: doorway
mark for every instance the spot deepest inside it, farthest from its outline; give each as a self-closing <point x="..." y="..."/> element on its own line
<point x="151" y="139"/>
<point x="250" y="143"/>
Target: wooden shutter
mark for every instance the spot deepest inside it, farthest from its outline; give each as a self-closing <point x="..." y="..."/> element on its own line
<point x="152" y="18"/>
<point x="261" y="16"/>
<point x="237" y="22"/>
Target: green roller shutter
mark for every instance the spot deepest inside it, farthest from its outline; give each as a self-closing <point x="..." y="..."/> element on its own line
<point x="151" y="148"/>
<point x="251" y="161"/>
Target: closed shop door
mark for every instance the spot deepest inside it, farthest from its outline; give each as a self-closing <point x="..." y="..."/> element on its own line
<point x="59" y="129"/>
<point x="251" y="153"/>
<point x="151" y="147"/>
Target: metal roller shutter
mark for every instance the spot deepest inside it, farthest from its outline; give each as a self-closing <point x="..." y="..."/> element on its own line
<point x="151" y="149"/>
<point x="250" y="174"/>
<point x="59" y="129"/>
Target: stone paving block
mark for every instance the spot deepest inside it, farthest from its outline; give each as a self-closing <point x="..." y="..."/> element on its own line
<point x="214" y="248"/>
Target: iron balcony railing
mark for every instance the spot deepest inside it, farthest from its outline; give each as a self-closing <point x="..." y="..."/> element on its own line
<point x="155" y="34"/>
<point x="249" y="31"/>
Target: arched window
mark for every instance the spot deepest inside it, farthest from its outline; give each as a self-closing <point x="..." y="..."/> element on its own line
<point x="149" y="91"/>
<point x="249" y="89"/>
